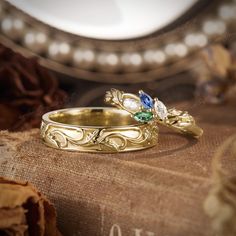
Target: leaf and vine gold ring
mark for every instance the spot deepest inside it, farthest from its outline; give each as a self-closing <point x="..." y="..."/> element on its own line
<point x="145" y="109"/>
<point x="94" y="129"/>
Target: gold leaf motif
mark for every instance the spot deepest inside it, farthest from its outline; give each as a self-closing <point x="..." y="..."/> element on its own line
<point x="114" y="97"/>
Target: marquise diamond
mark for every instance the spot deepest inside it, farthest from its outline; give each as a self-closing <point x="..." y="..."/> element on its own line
<point x="160" y="109"/>
<point x="131" y="104"/>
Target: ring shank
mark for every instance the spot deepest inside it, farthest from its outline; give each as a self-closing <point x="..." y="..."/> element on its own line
<point x="192" y="130"/>
<point x="93" y="117"/>
<point x="96" y="130"/>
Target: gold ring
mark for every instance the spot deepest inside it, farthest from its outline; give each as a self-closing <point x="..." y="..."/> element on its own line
<point x="145" y="109"/>
<point x="96" y="130"/>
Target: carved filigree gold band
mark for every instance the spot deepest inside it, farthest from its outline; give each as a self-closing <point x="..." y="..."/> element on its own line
<point x="145" y="109"/>
<point x="96" y="130"/>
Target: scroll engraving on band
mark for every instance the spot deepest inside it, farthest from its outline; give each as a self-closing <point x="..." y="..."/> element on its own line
<point x="113" y="139"/>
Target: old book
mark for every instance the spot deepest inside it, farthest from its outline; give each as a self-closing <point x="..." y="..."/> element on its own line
<point x="155" y="192"/>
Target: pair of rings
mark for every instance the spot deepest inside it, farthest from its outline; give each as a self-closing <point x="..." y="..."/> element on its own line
<point x="131" y="126"/>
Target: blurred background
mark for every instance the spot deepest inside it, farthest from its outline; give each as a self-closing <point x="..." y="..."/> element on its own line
<point x="57" y="54"/>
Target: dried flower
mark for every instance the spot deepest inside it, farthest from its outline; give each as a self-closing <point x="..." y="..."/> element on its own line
<point x="24" y="211"/>
<point x="217" y="74"/>
<point x="27" y="91"/>
<point x="220" y="204"/>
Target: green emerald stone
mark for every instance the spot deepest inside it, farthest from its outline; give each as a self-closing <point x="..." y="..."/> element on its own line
<point x="143" y="116"/>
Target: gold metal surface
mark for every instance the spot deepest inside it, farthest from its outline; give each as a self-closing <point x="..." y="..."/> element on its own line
<point x="175" y="119"/>
<point x="96" y="130"/>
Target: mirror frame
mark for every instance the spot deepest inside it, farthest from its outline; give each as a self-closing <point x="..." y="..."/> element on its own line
<point x="125" y="61"/>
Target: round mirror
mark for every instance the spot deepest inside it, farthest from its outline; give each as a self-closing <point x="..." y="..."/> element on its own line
<point x="119" y="41"/>
<point x="106" y="19"/>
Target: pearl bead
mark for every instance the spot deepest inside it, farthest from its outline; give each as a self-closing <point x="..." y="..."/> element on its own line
<point x="227" y="11"/>
<point x="154" y="57"/>
<point x="36" y="41"/>
<point x="196" y="40"/>
<point x="159" y="56"/>
<point x="84" y="58"/>
<point x="59" y="51"/>
<point x="176" y="49"/>
<point x="132" y="61"/>
<point x="170" y="49"/>
<point x="13" y="28"/>
<point x="112" y="59"/>
<point x="212" y="27"/>
<point x="108" y="61"/>
<point x="180" y="50"/>
<point x="201" y="40"/>
<point x="135" y="59"/>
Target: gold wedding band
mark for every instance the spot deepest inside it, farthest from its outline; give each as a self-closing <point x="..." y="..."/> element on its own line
<point x="96" y="130"/>
<point x="145" y="109"/>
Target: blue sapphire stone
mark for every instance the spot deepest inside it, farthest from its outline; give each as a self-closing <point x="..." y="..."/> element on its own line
<point x="146" y="100"/>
